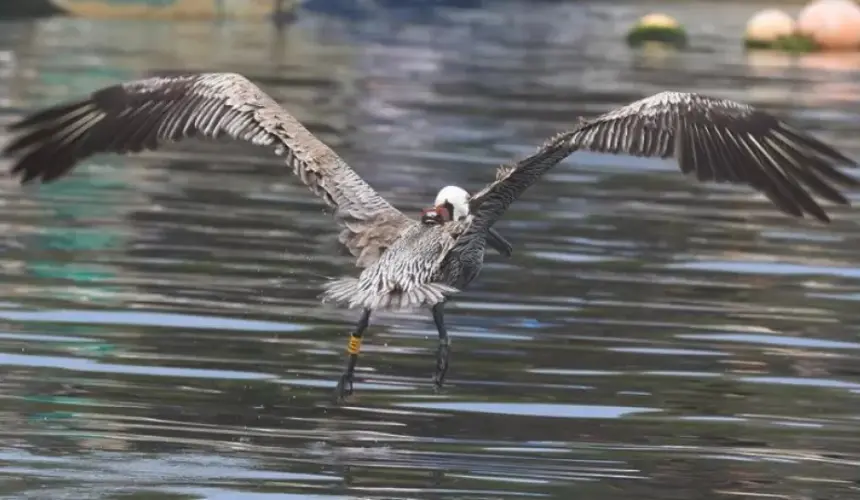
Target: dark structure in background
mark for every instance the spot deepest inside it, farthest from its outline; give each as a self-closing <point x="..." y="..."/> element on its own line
<point x="278" y="10"/>
<point x="28" y="8"/>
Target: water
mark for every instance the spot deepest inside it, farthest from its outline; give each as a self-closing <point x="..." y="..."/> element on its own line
<point x="651" y="337"/>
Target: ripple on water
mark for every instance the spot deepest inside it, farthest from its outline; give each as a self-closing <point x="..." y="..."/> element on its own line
<point x="141" y="318"/>
<point x="775" y="268"/>
<point x="532" y="409"/>
<point x="775" y="340"/>
<point x="95" y="366"/>
<point x="222" y="494"/>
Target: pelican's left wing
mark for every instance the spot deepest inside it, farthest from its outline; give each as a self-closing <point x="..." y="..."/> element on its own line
<point x="145" y="114"/>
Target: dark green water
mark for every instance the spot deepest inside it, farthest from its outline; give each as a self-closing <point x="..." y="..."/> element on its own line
<point x="652" y="338"/>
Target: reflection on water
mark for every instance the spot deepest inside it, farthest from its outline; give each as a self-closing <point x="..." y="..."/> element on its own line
<point x="651" y="337"/>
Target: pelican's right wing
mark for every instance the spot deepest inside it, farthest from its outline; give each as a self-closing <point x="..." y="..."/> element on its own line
<point x="725" y="141"/>
<point x="718" y="139"/>
<point x="144" y="114"/>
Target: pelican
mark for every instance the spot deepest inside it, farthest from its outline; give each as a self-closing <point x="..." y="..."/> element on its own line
<point x="421" y="262"/>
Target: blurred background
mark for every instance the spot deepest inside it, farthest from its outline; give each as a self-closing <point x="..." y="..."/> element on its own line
<point x="651" y="337"/>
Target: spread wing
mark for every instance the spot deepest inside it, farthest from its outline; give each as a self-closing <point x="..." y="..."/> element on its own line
<point x="144" y="114"/>
<point x="725" y="141"/>
<point x="718" y="140"/>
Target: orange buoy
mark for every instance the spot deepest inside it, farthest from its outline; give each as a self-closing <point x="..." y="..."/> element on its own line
<point x="769" y="25"/>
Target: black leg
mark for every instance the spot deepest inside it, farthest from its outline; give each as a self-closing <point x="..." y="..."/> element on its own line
<point x="344" y="385"/>
<point x="444" y="346"/>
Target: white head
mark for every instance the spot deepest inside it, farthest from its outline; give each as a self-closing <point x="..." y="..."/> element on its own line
<point x="455" y="199"/>
<point x="452" y="203"/>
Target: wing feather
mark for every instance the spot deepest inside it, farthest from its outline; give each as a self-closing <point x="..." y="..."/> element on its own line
<point x="720" y="140"/>
<point x="145" y="114"/>
<point x="716" y="140"/>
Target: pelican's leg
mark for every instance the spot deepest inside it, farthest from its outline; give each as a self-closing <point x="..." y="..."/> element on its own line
<point x="444" y="346"/>
<point x="344" y="385"/>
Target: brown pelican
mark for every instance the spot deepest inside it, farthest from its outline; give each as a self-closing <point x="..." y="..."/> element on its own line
<point x="421" y="263"/>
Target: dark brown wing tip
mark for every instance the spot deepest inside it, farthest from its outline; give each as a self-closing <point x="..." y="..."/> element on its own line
<point x="40" y="167"/>
<point x="814" y="144"/>
<point x="792" y="166"/>
<point x="816" y="212"/>
<point x="820" y="215"/>
<point x="35" y="145"/>
<point x="796" y="202"/>
<point x="37" y="138"/>
<point x="45" y="115"/>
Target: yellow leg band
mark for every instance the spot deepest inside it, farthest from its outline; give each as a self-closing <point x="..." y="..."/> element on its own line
<point x="354" y="345"/>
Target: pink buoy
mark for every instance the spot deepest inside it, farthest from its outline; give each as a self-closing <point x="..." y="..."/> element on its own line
<point x="833" y="24"/>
